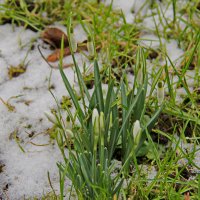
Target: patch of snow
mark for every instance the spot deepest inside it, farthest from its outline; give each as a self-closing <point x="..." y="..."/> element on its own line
<point x="25" y="174"/>
<point x="150" y="41"/>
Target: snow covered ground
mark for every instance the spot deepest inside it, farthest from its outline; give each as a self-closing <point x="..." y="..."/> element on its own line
<point x="24" y="174"/>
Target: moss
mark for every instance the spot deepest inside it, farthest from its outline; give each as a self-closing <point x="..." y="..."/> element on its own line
<point x="14" y="72"/>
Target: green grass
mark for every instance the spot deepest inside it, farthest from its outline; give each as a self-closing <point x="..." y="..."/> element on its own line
<point x="92" y="150"/>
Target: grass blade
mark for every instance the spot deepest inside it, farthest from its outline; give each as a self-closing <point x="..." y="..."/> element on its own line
<point x="98" y="87"/>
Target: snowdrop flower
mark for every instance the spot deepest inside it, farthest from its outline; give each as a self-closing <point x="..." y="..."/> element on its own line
<point x="98" y="121"/>
<point x="136" y="132"/>
<point x="140" y="76"/>
<point x="69" y="134"/>
<point x="95" y="119"/>
<point x="98" y="126"/>
<point x="50" y="117"/>
<point x="102" y="127"/>
<point x="101" y="121"/>
<point x="105" y="56"/>
<point x="90" y="46"/>
<point x="95" y="123"/>
<point x="73" y="40"/>
<point x="160" y="92"/>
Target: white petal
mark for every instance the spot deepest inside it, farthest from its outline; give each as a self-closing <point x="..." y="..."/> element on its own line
<point x="136" y="128"/>
<point x="95" y="115"/>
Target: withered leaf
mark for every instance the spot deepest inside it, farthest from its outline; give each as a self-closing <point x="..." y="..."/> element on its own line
<point x="53" y="36"/>
<point x="57" y="54"/>
<point x="187" y="196"/>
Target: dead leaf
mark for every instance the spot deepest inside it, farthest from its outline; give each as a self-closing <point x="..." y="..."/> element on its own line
<point x="57" y="54"/>
<point x="8" y="105"/>
<point x="53" y="36"/>
<point x="187" y="196"/>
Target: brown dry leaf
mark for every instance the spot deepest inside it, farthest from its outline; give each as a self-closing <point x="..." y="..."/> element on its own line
<point x="187" y="196"/>
<point x="57" y="53"/>
<point x="55" y="56"/>
<point x="53" y="36"/>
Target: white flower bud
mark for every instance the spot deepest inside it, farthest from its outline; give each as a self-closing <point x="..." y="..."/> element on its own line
<point x="136" y="132"/>
<point x="95" y="115"/>
<point x="90" y="46"/>
<point x="69" y="134"/>
<point x="140" y="76"/>
<point x="73" y="41"/>
<point x="160" y="92"/>
<point x="96" y="128"/>
<point x="102" y="127"/>
<point x="95" y="121"/>
<point x="50" y="117"/>
<point x="110" y="122"/>
<point x="101" y="122"/>
<point x="105" y="56"/>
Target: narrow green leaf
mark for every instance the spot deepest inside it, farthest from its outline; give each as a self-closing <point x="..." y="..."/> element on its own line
<point x="140" y="104"/>
<point x="124" y="113"/>
<point x="72" y="95"/>
<point x="150" y="124"/>
<point x="98" y="87"/>
<point x="130" y="110"/>
<point x="155" y="80"/>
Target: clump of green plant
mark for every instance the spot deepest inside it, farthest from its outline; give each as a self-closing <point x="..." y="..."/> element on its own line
<point x="116" y="121"/>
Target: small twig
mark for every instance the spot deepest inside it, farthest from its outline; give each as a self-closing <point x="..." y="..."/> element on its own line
<point x="52" y="66"/>
<point x="40" y="145"/>
<point x="48" y="174"/>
